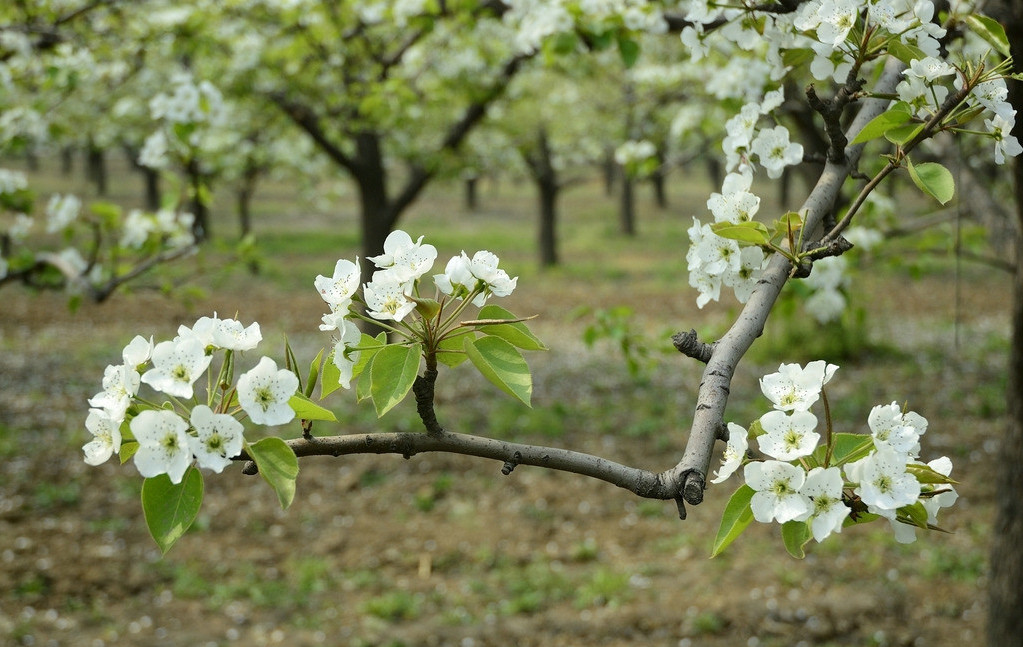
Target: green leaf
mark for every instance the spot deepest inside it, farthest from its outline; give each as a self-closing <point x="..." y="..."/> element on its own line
<point x="791" y="221"/>
<point x="991" y="31"/>
<point x="736" y="517"/>
<point x="925" y="474"/>
<point x="278" y="466"/>
<point x="629" y="51"/>
<point x="170" y="509"/>
<point x="291" y="363"/>
<point x="795" y="535"/>
<point x="127" y="450"/>
<point x="916" y="513"/>
<point x="368" y="347"/>
<point x="881" y="124"/>
<point x="902" y="134"/>
<point x="750" y="232"/>
<point x="306" y="409"/>
<point x="449" y="350"/>
<point x="933" y="179"/>
<point x="798" y="57"/>
<point x="517" y="334"/>
<point x="502" y="364"/>
<point x="108" y="212"/>
<point x="331" y="380"/>
<point x="364" y="387"/>
<point x="314" y="373"/>
<point x="905" y="53"/>
<point x="849" y="447"/>
<point x="394" y="370"/>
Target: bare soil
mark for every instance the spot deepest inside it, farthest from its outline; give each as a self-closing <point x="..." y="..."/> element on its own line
<point x="444" y="550"/>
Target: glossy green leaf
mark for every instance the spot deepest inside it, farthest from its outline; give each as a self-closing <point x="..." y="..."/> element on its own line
<point x="394" y="370"/>
<point x="629" y="51"/>
<point x="933" y="179"/>
<point x="127" y="450"/>
<point x="750" y="232"/>
<point x="314" y="373"/>
<point x="330" y="380"/>
<point x="905" y="53"/>
<point x="170" y="509"/>
<point x="991" y="31"/>
<point x="364" y="387"/>
<point x="795" y="535"/>
<point x="502" y="365"/>
<point x="450" y="350"/>
<point x="306" y="409"/>
<point x="902" y="134"/>
<point x="517" y="333"/>
<point x="797" y="57"/>
<point x="847" y="448"/>
<point x="790" y="221"/>
<point x="924" y="474"/>
<point x="278" y="466"/>
<point x="881" y="124"/>
<point x="368" y="348"/>
<point x="916" y="513"/>
<point x="736" y="517"/>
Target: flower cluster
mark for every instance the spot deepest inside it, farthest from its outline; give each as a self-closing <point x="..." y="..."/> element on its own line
<point x="714" y="261"/>
<point x="166" y="437"/>
<point x="841" y="34"/>
<point x="185" y="116"/>
<point x="393" y="293"/>
<point x="851" y="479"/>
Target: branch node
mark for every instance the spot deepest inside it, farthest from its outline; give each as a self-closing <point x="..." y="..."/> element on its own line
<point x="689" y="344"/>
<point x="250" y="468"/>
<point x="423" y="388"/>
<point x="307" y="429"/>
<point x="511" y="463"/>
<point x="692" y="488"/>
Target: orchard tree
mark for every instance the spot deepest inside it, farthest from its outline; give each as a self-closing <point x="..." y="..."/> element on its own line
<point x="548" y="118"/>
<point x="377" y="85"/>
<point x="48" y="77"/>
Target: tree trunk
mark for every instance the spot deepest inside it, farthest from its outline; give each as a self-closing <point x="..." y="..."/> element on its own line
<point x="96" y="167"/>
<point x="547" y="188"/>
<point x="472" y="193"/>
<point x="539" y="161"/>
<point x="610" y="171"/>
<point x="199" y="194"/>
<point x="659" y="180"/>
<point x="627" y="211"/>
<point x="67" y="160"/>
<point x="244" y="202"/>
<point x="714" y="171"/>
<point x="1005" y="583"/>
<point x="151" y="178"/>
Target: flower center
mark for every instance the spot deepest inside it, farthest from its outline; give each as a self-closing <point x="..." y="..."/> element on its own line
<point x="180" y="373"/>
<point x="264" y="397"/>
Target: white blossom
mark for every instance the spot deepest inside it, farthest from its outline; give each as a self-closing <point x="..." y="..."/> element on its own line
<point x="163" y="444"/>
<point x="777" y="494"/>
<point x="106" y="433"/>
<point x="219" y="438"/>
<point x="264" y="393"/>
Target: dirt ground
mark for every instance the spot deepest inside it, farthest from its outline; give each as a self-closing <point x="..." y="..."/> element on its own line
<point x="444" y="550"/>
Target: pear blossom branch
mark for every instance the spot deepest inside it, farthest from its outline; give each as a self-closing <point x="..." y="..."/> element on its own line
<point x="423" y="388"/>
<point x="929" y="129"/>
<point x="642" y="482"/>
<point x="689" y="476"/>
